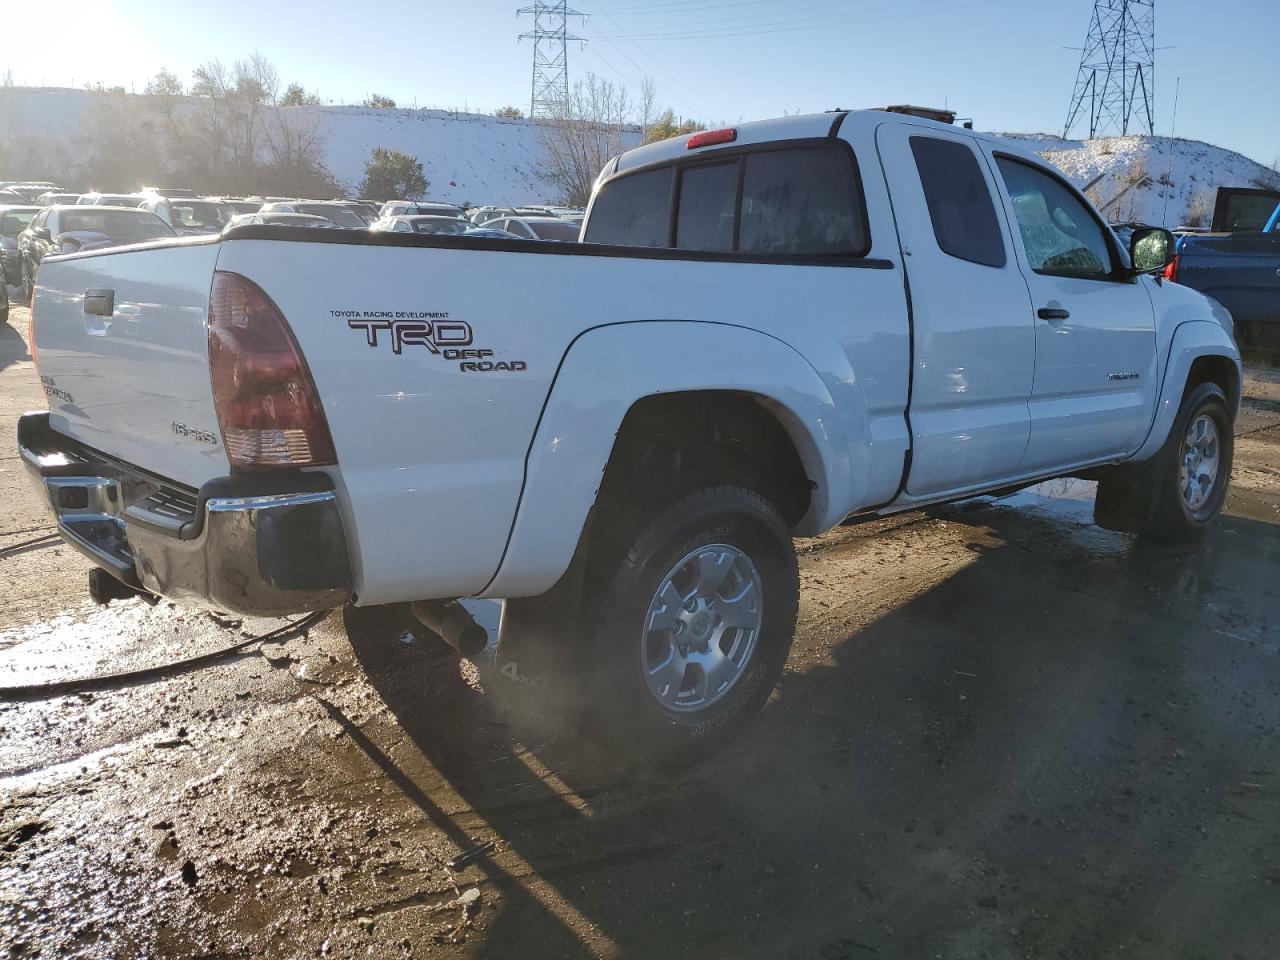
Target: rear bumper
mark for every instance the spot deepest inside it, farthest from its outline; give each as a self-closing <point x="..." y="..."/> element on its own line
<point x="264" y="545"/>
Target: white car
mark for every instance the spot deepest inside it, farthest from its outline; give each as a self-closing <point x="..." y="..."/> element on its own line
<point x="789" y="324"/>
<point x="482" y="215"/>
<point x="418" y="208"/>
<point x="280" y="220"/>
<point x="189" y="215"/>
<point x="443" y="226"/>
<point x="339" y="213"/>
<point x="537" y="228"/>
<point x="96" y="199"/>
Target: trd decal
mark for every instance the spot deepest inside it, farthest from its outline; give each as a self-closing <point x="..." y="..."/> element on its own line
<point x="451" y="340"/>
<point x="408" y="329"/>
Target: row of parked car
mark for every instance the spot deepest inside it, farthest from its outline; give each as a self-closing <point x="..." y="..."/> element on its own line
<point x="38" y="219"/>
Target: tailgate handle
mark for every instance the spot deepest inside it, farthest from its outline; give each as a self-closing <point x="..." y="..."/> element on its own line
<point x="100" y="303"/>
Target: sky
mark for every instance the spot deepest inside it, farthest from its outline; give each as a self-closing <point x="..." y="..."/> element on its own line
<point x="1010" y="64"/>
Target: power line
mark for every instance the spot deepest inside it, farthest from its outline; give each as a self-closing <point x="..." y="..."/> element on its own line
<point x="694" y="102"/>
<point x="792" y="25"/>
<point x="1117" y="73"/>
<point x="549" y="93"/>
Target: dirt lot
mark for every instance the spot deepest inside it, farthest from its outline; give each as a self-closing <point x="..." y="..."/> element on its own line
<point x="1003" y="733"/>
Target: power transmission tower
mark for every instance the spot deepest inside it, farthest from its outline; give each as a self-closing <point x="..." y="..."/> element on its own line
<point x="550" y="36"/>
<point x="1116" y="81"/>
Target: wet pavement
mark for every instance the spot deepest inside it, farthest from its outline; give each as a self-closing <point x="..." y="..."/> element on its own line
<point x="1003" y="733"/>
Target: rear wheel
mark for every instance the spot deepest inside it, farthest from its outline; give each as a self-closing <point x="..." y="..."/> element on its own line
<point x="692" y="627"/>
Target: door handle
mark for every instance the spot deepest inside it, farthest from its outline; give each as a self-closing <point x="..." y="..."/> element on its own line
<point x="100" y="303"/>
<point x="1053" y="313"/>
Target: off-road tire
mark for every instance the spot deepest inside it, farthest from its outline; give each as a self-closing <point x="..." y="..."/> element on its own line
<point x="620" y="711"/>
<point x="1146" y="498"/>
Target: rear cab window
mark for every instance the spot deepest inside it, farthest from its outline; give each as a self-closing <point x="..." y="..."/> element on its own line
<point x="772" y="202"/>
<point x="634" y="210"/>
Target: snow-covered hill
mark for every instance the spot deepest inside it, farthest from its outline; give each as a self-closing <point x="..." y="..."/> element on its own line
<point x="481" y="159"/>
<point x="1152" y="179"/>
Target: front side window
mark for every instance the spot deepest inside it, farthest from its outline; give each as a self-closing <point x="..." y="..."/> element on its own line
<point x="1062" y="238"/>
<point x="960" y="207"/>
<point x="634" y="210"/>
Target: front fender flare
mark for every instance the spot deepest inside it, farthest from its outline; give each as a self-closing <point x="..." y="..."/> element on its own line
<point x="1191" y="340"/>
<point x="603" y="373"/>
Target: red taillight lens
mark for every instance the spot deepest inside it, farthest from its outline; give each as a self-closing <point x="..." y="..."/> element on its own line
<point x="709" y="138"/>
<point x="1171" y="269"/>
<point x="267" y="404"/>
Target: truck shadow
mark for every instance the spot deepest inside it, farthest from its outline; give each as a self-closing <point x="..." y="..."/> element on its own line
<point x="1014" y="760"/>
<point x="13" y="349"/>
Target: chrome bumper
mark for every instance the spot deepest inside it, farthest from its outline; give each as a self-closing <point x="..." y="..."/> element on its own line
<point x="262" y="545"/>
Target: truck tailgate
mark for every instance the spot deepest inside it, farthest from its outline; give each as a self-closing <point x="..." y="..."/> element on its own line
<point x="121" y="347"/>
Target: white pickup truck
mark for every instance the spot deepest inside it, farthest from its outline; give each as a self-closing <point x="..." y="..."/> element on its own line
<point x="764" y="332"/>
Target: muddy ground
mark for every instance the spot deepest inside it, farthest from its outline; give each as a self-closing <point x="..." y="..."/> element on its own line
<point x="1003" y="733"/>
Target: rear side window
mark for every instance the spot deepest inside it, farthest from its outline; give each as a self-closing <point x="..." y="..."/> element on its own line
<point x="802" y="202"/>
<point x="708" y="198"/>
<point x="960" y="205"/>
<point x="634" y="210"/>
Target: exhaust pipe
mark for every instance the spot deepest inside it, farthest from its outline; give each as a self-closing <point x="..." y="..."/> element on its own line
<point x="450" y="621"/>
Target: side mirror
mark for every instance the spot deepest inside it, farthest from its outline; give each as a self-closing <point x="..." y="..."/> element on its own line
<point x="41" y="233"/>
<point x="1151" y="249"/>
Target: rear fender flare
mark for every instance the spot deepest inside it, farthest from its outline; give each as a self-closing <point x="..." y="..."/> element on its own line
<point x="605" y="371"/>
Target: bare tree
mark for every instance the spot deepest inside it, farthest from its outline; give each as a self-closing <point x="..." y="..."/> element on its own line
<point x="211" y="122"/>
<point x="164" y="84"/>
<point x="648" y="107"/>
<point x="585" y="134"/>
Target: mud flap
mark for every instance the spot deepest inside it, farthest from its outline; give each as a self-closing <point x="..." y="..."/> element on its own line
<point x="543" y="657"/>
<point x="1126" y="500"/>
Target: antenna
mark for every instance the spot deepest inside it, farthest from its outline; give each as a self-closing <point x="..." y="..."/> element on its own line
<point x="550" y="36"/>
<point x="1173" y="128"/>
<point x="1117" y="74"/>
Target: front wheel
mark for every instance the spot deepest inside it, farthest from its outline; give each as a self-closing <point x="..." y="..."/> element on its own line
<point x="1176" y="494"/>
<point x="693" y="626"/>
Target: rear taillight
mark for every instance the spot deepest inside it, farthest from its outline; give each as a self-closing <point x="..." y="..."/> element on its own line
<point x="1171" y="268"/>
<point x="267" y="404"/>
